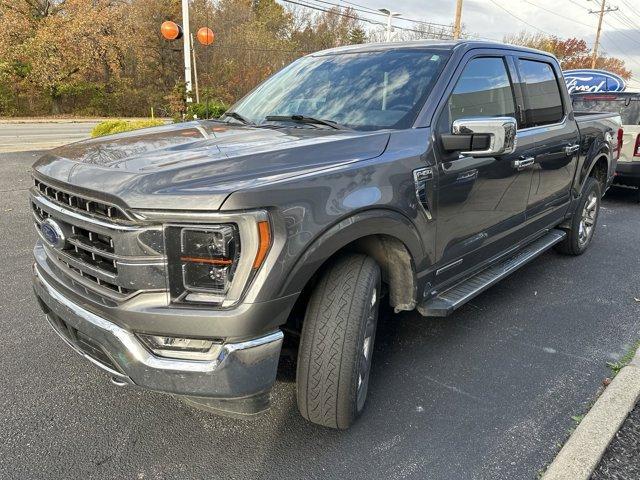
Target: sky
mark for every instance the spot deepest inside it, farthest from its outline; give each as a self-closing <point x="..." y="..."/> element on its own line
<point x="564" y="18"/>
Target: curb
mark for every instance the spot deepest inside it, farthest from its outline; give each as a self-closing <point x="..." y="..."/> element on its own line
<point x="580" y="456"/>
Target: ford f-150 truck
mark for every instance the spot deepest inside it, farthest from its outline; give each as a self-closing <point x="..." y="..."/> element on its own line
<point x="416" y="174"/>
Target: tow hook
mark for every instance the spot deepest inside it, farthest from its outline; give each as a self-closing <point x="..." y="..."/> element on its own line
<point x="118" y="382"/>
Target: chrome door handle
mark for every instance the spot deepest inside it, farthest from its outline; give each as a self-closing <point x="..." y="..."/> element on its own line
<point x="523" y="163"/>
<point x="571" y="149"/>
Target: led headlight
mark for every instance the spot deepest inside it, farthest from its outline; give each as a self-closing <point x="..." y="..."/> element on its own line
<point x="209" y="258"/>
<point x="208" y="264"/>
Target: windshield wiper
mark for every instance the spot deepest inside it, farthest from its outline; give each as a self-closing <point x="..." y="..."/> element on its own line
<point x="304" y="119"/>
<point x="237" y="116"/>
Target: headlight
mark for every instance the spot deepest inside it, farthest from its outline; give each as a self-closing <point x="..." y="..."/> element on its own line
<point x="209" y="258"/>
<point x="213" y="263"/>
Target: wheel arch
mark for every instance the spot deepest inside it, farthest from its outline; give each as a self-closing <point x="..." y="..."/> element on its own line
<point x="599" y="169"/>
<point x="387" y="236"/>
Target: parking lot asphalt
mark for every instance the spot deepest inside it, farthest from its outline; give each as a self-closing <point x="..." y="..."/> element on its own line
<point x="487" y="393"/>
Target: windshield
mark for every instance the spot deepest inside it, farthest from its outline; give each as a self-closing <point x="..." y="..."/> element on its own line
<point x="362" y="91"/>
<point x="628" y="107"/>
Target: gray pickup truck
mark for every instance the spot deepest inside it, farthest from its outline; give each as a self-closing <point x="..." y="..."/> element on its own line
<point x="180" y="258"/>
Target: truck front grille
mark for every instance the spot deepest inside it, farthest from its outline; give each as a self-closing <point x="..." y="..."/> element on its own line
<point x="101" y="254"/>
<point x="81" y="204"/>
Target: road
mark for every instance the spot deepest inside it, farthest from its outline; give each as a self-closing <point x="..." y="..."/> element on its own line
<point x="20" y="137"/>
<point x="487" y="393"/>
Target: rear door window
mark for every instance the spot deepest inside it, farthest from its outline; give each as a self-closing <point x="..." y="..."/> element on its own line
<point x="483" y="90"/>
<point x="543" y="102"/>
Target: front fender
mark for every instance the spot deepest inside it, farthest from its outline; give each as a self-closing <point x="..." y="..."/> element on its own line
<point x="359" y="225"/>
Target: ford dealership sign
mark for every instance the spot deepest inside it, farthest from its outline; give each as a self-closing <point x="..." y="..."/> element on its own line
<point x="592" y="81"/>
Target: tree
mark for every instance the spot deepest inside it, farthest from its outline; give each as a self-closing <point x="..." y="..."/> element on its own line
<point x="572" y="53"/>
<point x="357" y="35"/>
<point x="107" y="57"/>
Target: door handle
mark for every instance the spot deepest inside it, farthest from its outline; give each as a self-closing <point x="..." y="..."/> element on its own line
<point x="523" y="163"/>
<point x="571" y="149"/>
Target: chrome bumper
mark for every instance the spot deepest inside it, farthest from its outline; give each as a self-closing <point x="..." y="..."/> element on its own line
<point x="240" y="370"/>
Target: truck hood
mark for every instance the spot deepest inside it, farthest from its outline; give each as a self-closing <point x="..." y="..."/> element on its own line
<point x="196" y="165"/>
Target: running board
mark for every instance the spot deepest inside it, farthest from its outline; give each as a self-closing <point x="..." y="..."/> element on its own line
<point x="446" y="302"/>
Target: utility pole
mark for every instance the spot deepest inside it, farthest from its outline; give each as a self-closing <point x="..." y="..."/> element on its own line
<point x="186" y="42"/>
<point x="458" y="20"/>
<point x="390" y="15"/>
<point x="603" y="9"/>
<point x="195" y="69"/>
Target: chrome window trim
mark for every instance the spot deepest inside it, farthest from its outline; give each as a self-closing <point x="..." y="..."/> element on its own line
<point x="561" y="124"/>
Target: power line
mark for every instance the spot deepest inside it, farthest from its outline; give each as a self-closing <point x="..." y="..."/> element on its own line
<point x="353" y="17"/>
<point x="557" y="14"/>
<point x="374" y="11"/>
<point x="369" y="11"/>
<point x="621" y="32"/>
<point x="632" y="60"/>
<point x="633" y="10"/>
<point x="518" y="18"/>
<point x="627" y="21"/>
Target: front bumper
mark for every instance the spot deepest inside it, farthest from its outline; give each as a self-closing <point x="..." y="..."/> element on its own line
<point x="241" y="370"/>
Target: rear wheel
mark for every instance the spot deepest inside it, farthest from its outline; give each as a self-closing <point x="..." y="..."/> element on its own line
<point x="336" y="345"/>
<point x="583" y="221"/>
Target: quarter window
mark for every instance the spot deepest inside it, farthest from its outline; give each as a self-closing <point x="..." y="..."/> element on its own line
<point x="542" y="94"/>
<point x="483" y="90"/>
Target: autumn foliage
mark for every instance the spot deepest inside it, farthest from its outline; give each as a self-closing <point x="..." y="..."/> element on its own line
<point x="573" y="53"/>
<point x="107" y="57"/>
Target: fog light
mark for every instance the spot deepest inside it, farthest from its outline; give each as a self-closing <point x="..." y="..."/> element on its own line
<point x="180" y="347"/>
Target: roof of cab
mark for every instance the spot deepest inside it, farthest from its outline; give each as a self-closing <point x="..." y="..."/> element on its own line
<point x="436" y="44"/>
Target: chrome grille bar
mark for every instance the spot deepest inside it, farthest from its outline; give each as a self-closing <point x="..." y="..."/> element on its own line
<point x="101" y="255"/>
<point x="83" y="204"/>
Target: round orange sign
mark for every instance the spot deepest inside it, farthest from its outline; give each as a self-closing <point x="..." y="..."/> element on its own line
<point x="205" y="36"/>
<point x="170" y="30"/>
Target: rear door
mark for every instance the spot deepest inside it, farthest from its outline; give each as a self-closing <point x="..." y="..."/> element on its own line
<point x="481" y="200"/>
<point x="556" y="140"/>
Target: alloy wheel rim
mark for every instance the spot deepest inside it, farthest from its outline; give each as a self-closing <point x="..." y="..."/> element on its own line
<point x="588" y="219"/>
<point x="364" y="361"/>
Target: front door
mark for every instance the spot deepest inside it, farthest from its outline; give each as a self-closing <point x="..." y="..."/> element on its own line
<point x="481" y="200"/>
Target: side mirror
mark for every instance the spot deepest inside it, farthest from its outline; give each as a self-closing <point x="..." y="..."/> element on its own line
<point x="482" y="136"/>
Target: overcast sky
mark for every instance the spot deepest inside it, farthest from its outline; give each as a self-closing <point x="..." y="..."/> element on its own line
<point x="564" y="18"/>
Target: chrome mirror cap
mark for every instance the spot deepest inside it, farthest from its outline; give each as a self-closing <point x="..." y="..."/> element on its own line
<point x="502" y="132"/>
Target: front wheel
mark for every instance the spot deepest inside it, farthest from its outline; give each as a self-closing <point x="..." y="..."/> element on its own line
<point x="583" y="221"/>
<point x="336" y="344"/>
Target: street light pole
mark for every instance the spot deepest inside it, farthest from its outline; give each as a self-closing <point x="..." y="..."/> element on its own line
<point x="186" y="42"/>
<point x="389" y="14"/>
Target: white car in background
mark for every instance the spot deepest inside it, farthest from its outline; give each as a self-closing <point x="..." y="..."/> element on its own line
<point x="627" y="104"/>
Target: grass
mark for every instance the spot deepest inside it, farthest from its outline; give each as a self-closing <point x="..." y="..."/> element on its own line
<point x="109" y="127"/>
<point x="624" y="361"/>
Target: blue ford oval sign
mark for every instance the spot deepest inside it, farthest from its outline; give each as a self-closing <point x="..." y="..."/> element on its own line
<point x="593" y="81"/>
<point x="52" y="233"/>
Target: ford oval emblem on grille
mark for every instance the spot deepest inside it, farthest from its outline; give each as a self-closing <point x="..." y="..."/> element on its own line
<point x="52" y="233"/>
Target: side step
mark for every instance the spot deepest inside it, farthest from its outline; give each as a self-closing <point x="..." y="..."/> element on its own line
<point x="446" y="302"/>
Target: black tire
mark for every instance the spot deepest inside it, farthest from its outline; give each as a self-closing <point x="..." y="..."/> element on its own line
<point x="576" y="243"/>
<point x="333" y="369"/>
